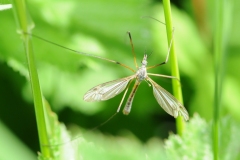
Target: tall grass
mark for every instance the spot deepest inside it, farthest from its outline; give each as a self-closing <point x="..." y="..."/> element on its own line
<point x="222" y="23"/>
<point x="177" y="91"/>
<point x="25" y="25"/>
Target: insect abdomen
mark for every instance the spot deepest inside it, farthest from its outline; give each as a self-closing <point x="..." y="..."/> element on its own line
<point x="128" y="105"/>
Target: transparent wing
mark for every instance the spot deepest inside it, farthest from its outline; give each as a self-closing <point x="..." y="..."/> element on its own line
<point x="107" y="90"/>
<point x="167" y="101"/>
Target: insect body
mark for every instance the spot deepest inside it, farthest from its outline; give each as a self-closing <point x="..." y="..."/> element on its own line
<point x="140" y="75"/>
<point x="110" y="89"/>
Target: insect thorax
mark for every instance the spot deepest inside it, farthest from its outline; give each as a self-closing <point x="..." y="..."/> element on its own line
<point x="141" y="73"/>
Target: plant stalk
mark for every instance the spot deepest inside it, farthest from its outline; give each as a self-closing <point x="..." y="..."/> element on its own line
<point x="24" y="26"/>
<point x="177" y="91"/>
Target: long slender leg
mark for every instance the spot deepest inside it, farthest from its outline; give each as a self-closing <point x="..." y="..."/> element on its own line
<point x="117" y="109"/>
<point x="153" y="19"/>
<point x="124" y="96"/>
<point x="169" y="49"/>
<point x="82" y="53"/>
<point x="165" y="76"/>
<point x="134" y="55"/>
<point x="105" y="121"/>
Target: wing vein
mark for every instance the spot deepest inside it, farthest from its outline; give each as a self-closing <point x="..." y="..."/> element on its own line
<point x="167" y="101"/>
<point x="107" y="90"/>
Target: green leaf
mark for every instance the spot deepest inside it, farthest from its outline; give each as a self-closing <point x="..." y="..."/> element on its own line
<point x="196" y="142"/>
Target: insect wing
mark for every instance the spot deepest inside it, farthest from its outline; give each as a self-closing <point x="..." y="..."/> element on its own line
<point x="107" y="90"/>
<point x="167" y="101"/>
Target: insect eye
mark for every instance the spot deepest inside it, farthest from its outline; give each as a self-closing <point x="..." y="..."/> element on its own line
<point x="144" y="62"/>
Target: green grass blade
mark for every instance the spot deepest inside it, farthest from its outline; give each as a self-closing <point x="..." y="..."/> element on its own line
<point x="223" y="15"/>
<point x="177" y="91"/>
<point x="217" y="54"/>
<point x="25" y="25"/>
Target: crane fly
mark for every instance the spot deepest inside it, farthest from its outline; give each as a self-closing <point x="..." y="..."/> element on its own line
<point x="110" y="89"/>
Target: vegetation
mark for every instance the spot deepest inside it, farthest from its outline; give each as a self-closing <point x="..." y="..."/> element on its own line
<point x="38" y="78"/>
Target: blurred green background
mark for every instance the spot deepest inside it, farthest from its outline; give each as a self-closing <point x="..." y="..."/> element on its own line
<point x="99" y="28"/>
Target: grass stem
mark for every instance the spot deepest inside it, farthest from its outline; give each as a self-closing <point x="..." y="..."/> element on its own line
<point x="24" y="26"/>
<point x="177" y="91"/>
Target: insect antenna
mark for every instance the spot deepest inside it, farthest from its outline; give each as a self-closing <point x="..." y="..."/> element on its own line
<point x="150" y="54"/>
